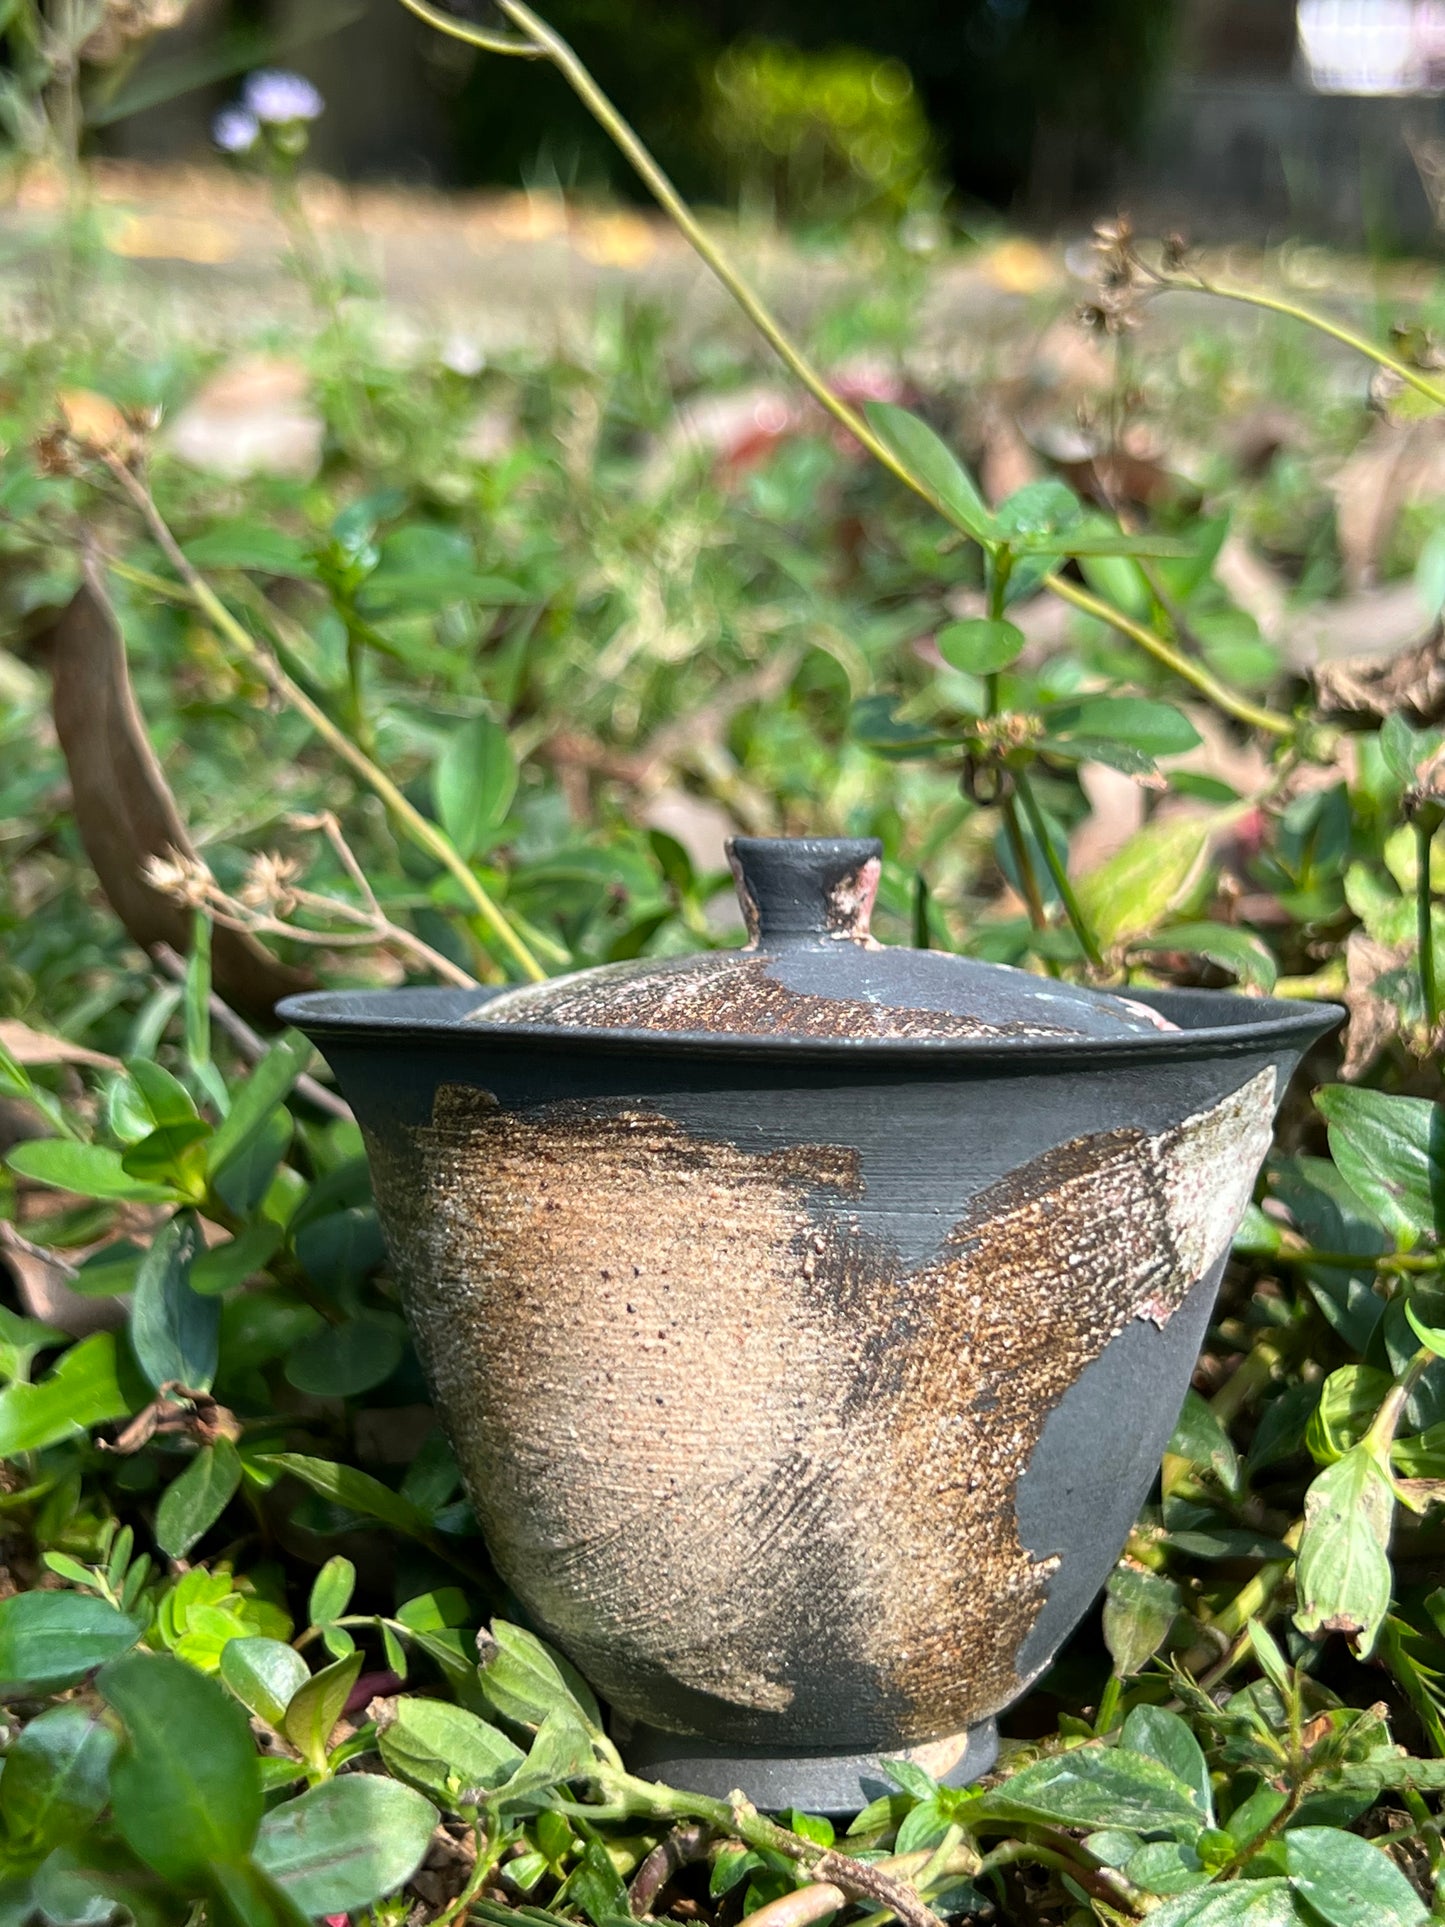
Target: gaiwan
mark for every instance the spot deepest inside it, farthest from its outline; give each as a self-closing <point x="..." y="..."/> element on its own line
<point x="809" y="1320"/>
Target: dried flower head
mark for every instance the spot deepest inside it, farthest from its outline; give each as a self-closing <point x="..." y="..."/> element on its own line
<point x="1114" y="311"/>
<point x="269" y="881"/>
<point x="1114" y="245"/>
<point x="182" y="878"/>
<point x="279" y="99"/>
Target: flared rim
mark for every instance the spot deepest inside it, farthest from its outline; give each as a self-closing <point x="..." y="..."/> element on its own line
<point x="1210" y="1023"/>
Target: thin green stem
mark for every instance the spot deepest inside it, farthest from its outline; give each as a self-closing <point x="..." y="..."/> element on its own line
<point x="425" y="835"/>
<point x="1279" y="304"/>
<point x="1242" y="710"/>
<point x="1024" y="863"/>
<point x="541" y="41"/>
<point x="1381" y="1435"/>
<point x="1429" y="975"/>
<point x="1058" y="870"/>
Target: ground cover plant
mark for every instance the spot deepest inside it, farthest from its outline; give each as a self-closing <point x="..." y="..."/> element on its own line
<point x="469" y="697"/>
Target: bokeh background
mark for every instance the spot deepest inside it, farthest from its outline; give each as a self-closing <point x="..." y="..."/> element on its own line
<point x="1244" y="118"/>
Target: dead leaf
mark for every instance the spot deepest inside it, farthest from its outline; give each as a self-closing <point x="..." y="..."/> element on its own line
<point x="124" y="810"/>
<point x="29" y="1046"/>
<point x="95" y="423"/>
<point x="1374" y="1020"/>
<point x="255" y="417"/>
<point x="1412" y="682"/>
<point x="1397" y="464"/>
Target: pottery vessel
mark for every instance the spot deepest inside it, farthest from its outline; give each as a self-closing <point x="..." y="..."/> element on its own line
<point x="809" y="1320"/>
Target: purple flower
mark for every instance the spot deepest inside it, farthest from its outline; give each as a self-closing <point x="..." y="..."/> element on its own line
<point x="280" y="99"/>
<point x="235" y="130"/>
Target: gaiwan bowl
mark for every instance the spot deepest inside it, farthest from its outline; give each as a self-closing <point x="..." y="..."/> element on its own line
<point x="809" y="1320"/>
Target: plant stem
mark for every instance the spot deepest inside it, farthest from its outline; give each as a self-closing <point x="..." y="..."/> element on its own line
<point x="858" y="1879"/>
<point x="1239" y="707"/>
<point x="1279" y="304"/>
<point x="1059" y="872"/>
<point x="1429" y="977"/>
<point x="541" y="41"/>
<point x="1028" y="876"/>
<point x="424" y="834"/>
<point x="1381" y="1435"/>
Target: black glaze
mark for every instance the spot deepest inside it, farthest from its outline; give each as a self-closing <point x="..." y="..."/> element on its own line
<point x="934" y="1122"/>
<point x="790" y="887"/>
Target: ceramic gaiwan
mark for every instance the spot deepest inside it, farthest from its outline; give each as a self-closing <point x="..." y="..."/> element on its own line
<point x="809" y="1320"/>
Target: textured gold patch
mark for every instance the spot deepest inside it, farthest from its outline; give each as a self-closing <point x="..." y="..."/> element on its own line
<point x="752" y="1472"/>
<point x="732" y="992"/>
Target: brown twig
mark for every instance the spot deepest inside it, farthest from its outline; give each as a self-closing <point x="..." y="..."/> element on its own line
<point x="251" y="1046"/>
<point x="683" y="1846"/>
<point x="12" y="1239"/>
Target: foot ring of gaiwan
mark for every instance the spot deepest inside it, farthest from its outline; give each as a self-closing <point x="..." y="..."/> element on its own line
<point x="809" y="1320"/>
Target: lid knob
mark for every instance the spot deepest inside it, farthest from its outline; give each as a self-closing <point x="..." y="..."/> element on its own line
<point x="806" y="889"/>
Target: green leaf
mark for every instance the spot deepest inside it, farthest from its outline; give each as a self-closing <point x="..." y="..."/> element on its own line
<point x="57" y="1777"/>
<point x="447" y="1751"/>
<point x="1432" y="1339"/>
<point x="1272" y="1662"/>
<point x="1104" y="542"/>
<point x="21" y="1339"/>
<point x="186" y="1787"/>
<point x="1238" y="951"/>
<point x="357" y="1491"/>
<point x="225" y="1266"/>
<point x="347" y="1844"/>
<point x="1349" y="1882"/>
<point x="474" y="783"/>
<point x="83" y="1390"/>
<point x="980" y="647"/>
<point x="1132" y="893"/>
<point x="251" y="546"/>
<point x="342" y="1361"/>
<point x="50" y="1640"/>
<point x="1140" y="1608"/>
<point x="935" y="465"/>
<point x="1241" y="1903"/>
<point x="875" y="724"/>
<point x="265" y="1675"/>
<point x="268" y="1085"/>
<point x="525" y="1680"/>
<point x="192" y="1503"/>
<point x="331" y="1591"/>
<point x="1166" y="1867"/>
<point x="1348" y="1402"/>
<point x="317" y="1706"/>
<point x="163" y="1099"/>
<point x="90" y="1170"/>
<point x="562" y="1751"/>
<point x="246" y="1896"/>
<point x="1342" y="1575"/>
<point x="1158" y="729"/>
<point x="172" y="1155"/>
<point x="174" y="1331"/>
<point x="1094" y="1786"/>
<point x="596" y="1887"/>
<point x="1391" y="1152"/>
<point x="1201" y="1439"/>
<point x="1155" y="1734"/>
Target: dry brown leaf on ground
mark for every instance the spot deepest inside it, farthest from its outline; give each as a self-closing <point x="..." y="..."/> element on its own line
<point x="1412" y="682"/>
<point x="29" y="1046"/>
<point x="124" y="810"/>
<point x="1374" y="1020"/>
<point x="1398" y="463"/>
<point x="254" y="417"/>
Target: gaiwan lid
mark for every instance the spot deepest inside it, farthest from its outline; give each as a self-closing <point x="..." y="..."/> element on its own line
<point x="811" y="969"/>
